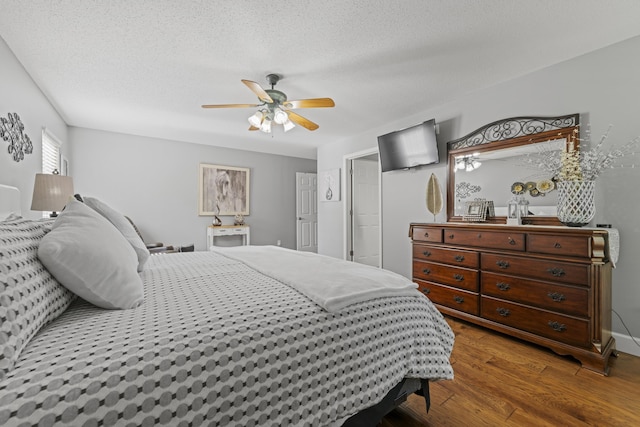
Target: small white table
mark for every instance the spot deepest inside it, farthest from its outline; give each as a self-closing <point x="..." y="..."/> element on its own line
<point x="227" y="230"/>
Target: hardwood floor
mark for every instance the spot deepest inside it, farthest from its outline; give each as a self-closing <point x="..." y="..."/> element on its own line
<point x="501" y="381"/>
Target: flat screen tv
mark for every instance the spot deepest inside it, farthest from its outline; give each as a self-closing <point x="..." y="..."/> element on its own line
<point x="410" y="147"/>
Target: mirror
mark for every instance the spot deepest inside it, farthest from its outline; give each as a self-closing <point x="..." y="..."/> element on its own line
<point x="489" y="164"/>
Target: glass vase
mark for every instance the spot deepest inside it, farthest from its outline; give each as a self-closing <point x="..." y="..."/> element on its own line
<point x="576" y="205"/>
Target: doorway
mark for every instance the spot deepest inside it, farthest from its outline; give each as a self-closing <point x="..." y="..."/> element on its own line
<point x="363" y="225"/>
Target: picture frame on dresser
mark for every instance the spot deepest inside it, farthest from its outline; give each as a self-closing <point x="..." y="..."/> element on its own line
<point x="223" y="190"/>
<point x="479" y="211"/>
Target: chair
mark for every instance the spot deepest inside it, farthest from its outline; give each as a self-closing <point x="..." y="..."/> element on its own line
<point x="156" y="248"/>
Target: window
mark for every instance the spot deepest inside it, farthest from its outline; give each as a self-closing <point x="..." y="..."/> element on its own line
<point x="50" y="156"/>
<point x="50" y="152"/>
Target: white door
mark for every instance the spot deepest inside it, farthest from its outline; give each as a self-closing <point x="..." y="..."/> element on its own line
<point x="307" y="212"/>
<point x="365" y="208"/>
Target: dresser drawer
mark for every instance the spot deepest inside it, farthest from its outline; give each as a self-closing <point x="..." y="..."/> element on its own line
<point x="544" y="269"/>
<point x="463" y="278"/>
<point x="563" y="299"/>
<point x="486" y="239"/>
<point x="228" y="231"/>
<point x="427" y="234"/>
<point x="447" y="256"/>
<point x="568" y="330"/>
<point x="578" y="246"/>
<point x="450" y="297"/>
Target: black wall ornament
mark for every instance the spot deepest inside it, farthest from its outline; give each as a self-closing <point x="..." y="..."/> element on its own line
<point x="12" y="131"/>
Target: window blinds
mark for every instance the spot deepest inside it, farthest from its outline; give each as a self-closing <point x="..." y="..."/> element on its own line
<point x="50" y="152"/>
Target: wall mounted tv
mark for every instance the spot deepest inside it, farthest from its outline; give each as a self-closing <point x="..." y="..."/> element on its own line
<point x="410" y="147"/>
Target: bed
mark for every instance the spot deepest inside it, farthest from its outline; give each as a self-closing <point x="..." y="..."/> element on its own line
<point x="218" y="338"/>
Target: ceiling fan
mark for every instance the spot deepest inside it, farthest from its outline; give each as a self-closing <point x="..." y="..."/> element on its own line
<point x="276" y="108"/>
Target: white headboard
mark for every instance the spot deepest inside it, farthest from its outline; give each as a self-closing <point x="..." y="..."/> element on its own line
<point x="9" y="201"/>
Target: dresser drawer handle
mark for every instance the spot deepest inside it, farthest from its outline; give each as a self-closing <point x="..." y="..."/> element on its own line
<point x="503" y="286"/>
<point x="426" y="234"/>
<point x="504" y="312"/>
<point x="557" y="326"/>
<point x="458" y="277"/>
<point x="426" y="291"/>
<point x="557" y="245"/>
<point x="557" y="297"/>
<point x="502" y="264"/>
<point x="426" y="271"/>
<point x="556" y="272"/>
<point x="511" y="241"/>
<point x="426" y="253"/>
<point x="451" y="236"/>
<point x="458" y="299"/>
<point x="459" y="258"/>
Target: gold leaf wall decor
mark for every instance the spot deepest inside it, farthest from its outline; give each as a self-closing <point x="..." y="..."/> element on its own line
<point x="434" y="196"/>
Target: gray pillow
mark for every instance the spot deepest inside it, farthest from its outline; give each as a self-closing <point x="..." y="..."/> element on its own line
<point x="92" y="259"/>
<point x="123" y="225"/>
<point x="30" y="297"/>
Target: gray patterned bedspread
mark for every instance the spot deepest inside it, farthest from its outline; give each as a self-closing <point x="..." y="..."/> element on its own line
<point x="217" y="343"/>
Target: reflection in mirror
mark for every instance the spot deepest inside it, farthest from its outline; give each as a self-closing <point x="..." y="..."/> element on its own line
<point x="497" y="170"/>
<point x="501" y="174"/>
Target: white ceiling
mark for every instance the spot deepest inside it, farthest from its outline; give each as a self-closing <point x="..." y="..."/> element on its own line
<point x="144" y="67"/>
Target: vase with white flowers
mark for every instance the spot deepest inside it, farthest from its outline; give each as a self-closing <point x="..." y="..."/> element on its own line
<point x="575" y="172"/>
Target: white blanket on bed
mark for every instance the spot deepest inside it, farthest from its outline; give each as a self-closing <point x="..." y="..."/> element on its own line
<point x="331" y="283"/>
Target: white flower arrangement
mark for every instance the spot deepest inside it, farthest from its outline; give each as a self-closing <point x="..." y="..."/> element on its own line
<point x="580" y="164"/>
<point x="545" y="185"/>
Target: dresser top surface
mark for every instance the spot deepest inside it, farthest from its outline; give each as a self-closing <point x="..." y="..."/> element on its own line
<point x="515" y="228"/>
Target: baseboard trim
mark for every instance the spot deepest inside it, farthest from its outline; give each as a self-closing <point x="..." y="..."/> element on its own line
<point x="625" y="344"/>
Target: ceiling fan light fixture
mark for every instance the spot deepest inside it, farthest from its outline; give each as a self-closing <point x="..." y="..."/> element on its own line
<point x="256" y="119"/>
<point x="288" y="125"/>
<point x="274" y="107"/>
<point x="280" y="116"/>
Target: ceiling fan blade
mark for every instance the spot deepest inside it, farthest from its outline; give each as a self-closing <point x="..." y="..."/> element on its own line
<point x="231" y="106"/>
<point x="299" y="120"/>
<point x="257" y="89"/>
<point x="310" y="103"/>
<point x="253" y="128"/>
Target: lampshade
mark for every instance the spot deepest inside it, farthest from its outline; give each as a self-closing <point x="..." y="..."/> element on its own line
<point x="266" y="126"/>
<point x="256" y="119"/>
<point x="288" y="125"/>
<point x="280" y="116"/>
<point x="51" y="192"/>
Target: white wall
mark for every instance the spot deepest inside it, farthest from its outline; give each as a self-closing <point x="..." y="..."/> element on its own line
<point x="603" y="86"/>
<point x="155" y="183"/>
<point x="19" y="94"/>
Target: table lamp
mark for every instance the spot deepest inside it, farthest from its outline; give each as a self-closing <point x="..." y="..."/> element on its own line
<point x="51" y="192"/>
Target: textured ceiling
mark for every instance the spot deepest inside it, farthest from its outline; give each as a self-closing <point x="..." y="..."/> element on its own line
<point x="144" y="67"/>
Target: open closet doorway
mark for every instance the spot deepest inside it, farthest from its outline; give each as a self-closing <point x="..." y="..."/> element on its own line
<point x="363" y="222"/>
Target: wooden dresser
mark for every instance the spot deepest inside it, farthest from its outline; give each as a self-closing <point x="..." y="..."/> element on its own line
<point x="547" y="285"/>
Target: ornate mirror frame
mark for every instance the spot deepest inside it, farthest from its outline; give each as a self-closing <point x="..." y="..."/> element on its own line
<point x="504" y="134"/>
